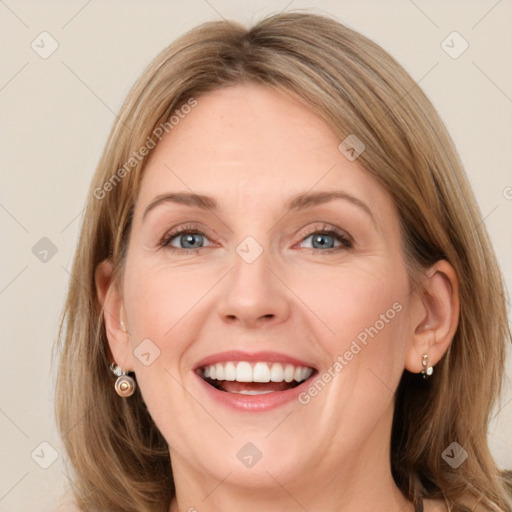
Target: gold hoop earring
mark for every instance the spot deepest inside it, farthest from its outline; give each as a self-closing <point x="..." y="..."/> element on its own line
<point x="124" y="385"/>
<point x="427" y="370"/>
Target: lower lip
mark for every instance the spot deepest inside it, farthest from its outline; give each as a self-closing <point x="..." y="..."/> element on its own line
<point x="255" y="403"/>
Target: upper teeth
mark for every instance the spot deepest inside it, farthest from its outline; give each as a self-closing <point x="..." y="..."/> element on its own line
<point x="244" y="371"/>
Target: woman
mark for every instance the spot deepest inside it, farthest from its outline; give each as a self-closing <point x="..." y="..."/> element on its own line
<point x="283" y="296"/>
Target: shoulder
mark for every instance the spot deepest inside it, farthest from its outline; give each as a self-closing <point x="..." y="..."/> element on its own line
<point x="434" y="506"/>
<point x="471" y="503"/>
<point x="67" y="504"/>
<point x="66" y="507"/>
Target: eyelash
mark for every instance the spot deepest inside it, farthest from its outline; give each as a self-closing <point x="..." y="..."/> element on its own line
<point x="346" y="242"/>
<point x="182" y="230"/>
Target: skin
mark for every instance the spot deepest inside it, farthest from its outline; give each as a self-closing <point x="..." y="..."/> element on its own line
<point x="251" y="149"/>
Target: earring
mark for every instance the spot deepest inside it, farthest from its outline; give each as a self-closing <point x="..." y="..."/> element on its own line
<point x="427" y="370"/>
<point x="125" y="385"/>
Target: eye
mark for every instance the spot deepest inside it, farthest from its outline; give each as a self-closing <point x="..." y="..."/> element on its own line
<point x="185" y="238"/>
<point x="327" y="239"/>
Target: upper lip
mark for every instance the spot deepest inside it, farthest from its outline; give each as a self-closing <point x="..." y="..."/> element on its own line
<point x="263" y="356"/>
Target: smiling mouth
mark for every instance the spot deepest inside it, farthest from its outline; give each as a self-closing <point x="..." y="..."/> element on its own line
<point x="258" y="378"/>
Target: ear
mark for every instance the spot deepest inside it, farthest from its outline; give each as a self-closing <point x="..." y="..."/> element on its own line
<point x="435" y="316"/>
<point x="111" y="300"/>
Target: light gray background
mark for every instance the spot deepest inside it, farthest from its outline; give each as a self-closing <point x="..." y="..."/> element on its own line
<point x="55" y="117"/>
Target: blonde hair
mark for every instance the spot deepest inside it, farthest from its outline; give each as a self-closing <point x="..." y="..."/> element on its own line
<point x="120" y="459"/>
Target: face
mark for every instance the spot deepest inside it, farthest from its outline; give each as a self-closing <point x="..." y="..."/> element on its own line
<point x="268" y="320"/>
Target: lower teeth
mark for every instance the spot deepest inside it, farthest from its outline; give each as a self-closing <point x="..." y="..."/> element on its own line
<point x="246" y="392"/>
<point x="218" y="385"/>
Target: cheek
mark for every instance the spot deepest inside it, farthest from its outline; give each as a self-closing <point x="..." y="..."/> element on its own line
<point x="163" y="305"/>
<point x="159" y="305"/>
<point x="356" y="302"/>
<point x="364" y="329"/>
<point x="367" y="311"/>
<point x="158" y="298"/>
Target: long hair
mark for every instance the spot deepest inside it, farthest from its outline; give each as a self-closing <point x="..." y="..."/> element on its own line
<point x="119" y="458"/>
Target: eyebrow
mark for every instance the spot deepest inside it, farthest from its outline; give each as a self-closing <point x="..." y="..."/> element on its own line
<point x="301" y="201"/>
<point x="298" y="202"/>
<point x="188" y="199"/>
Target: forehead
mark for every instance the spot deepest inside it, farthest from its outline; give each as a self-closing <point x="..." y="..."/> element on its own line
<point x="249" y="143"/>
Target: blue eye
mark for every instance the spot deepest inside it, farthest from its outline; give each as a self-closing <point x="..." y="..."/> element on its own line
<point x="191" y="241"/>
<point x="325" y="240"/>
<point x="185" y="240"/>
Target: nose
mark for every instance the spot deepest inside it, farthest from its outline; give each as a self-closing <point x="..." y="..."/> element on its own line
<point x="253" y="295"/>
